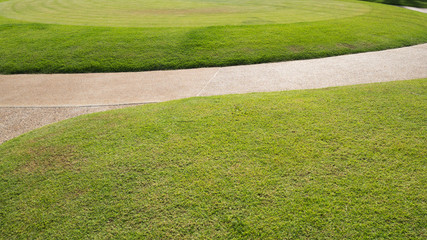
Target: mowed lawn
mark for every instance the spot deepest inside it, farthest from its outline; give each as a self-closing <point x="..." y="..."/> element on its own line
<point x="341" y="163"/>
<point x="178" y="13"/>
<point x="109" y="36"/>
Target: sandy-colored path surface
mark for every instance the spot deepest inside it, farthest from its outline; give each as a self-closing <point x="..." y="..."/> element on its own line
<point x="423" y="10"/>
<point x="16" y="121"/>
<point x="142" y="87"/>
<point x="24" y="98"/>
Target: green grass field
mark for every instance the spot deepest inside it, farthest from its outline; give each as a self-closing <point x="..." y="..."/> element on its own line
<point x="109" y="36"/>
<point x="178" y="13"/>
<point x="337" y="163"/>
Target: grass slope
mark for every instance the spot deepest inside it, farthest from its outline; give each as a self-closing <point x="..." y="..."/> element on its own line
<point x="413" y="3"/>
<point x="338" y="163"/>
<point x="49" y="48"/>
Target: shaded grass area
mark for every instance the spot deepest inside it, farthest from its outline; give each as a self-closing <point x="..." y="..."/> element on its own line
<point x="43" y="48"/>
<point x="412" y="3"/>
<point x="345" y="162"/>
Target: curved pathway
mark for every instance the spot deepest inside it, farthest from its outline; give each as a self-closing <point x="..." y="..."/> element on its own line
<point x="33" y="100"/>
<point x="422" y="10"/>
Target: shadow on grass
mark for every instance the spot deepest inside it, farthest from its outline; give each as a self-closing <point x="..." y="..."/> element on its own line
<point x="412" y="3"/>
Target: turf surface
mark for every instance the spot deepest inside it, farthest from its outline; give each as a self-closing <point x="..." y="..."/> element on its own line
<point x="178" y="13"/>
<point x="340" y="163"/>
<point x="37" y="47"/>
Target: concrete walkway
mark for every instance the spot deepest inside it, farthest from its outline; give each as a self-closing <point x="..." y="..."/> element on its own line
<point x="38" y="97"/>
<point x="423" y="10"/>
<point x="145" y="87"/>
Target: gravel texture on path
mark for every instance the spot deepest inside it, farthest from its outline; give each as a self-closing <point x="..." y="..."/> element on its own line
<point x="34" y="90"/>
<point x="34" y="100"/>
<point x="15" y="121"/>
